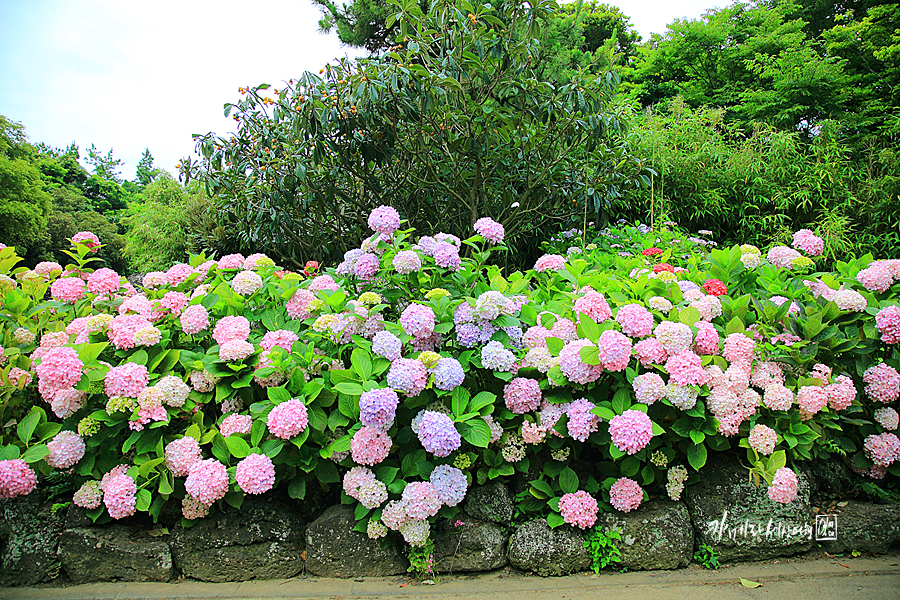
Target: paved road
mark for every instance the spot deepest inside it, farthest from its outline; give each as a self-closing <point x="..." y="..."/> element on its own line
<point x="821" y="579"/>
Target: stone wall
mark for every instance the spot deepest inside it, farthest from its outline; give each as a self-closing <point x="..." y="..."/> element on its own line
<point x="267" y="539"/>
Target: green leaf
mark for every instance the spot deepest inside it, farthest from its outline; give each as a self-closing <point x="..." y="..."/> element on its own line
<point x="257" y="432"/>
<point x="555" y="519"/>
<point x="36" y="453"/>
<point x="220" y="449"/>
<point x="543" y="487"/>
<point x="689" y="315"/>
<point x="568" y="481"/>
<point x="26" y="426"/>
<point x="278" y="394"/>
<point x="590" y="355"/>
<point x="297" y="488"/>
<point x="481" y="400"/>
<point x="629" y="466"/>
<point x="697" y="436"/>
<point x="349" y="406"/>
<point x="143" y="499"/>
<point x="735" y="325"/>
<point x="554" y="345"/>
<point x="588" y="328"/>
<point x="349" y="389"/>
<point x="237" y="446"/>
<point x="272" y="448"/>
<point x="696" y="456"/>
<point x="477" y="433"/>
<point x="361" y="363"/>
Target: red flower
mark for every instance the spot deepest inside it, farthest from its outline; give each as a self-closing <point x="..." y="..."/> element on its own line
<point x="714" y="287"/>
<point x="651" y="252"/>
<point x="663" y="267"/>
<point x="312" y="266"/>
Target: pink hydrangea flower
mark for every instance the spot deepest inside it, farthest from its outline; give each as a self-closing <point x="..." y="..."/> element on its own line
<point x="490" y="230"/>
<point x="298" y="306"/>
<point x="807" y="241"/>
<point x="686" y="368"/>
<point x="875" y="278"/>
<point x="579" y="509"/>
<point x="370" y="446"/>
<point x="123" y="329"/>
<point x="614" y="350"/>
<point x="255" y="474"/>
<point x="417" y="320"/>
<point x="66" y="448"/>
<point x="194" y="319"/>
<point x="60" y="368"/>
<point x="104" y="281"/>
<point x="882" y="383"/>
<point x="67" y="289"/>
<point x="235" y="423"/>
<point x="88" y="239"/>
<point x="782" y="256"/>
<point x="882" y="449"/>
<point x="594" y="305"/>
<point x="631" y="431"/>
<point x="16" y="478"/>
<point x="408" y="376"/>
<point x="119" y="496"/>
<point x="738" y="348"/>
<point x="706" y="341"/>
<point x="182" y="454"/>
<point x="231" y="328"/>
<point x="841" y="393"/>
<point x="127" y="380"/>
<point x="231" y="261"/>
<point x="550" y="262"/>
<point x="384" y="219"/>
<point x="648" y="388"/>
<point x="650" y="352"/>
<point x="207" y="481"/>
<point x="574" y="368"/>
<point x="179" y="273"/>
<point x="582" y="422"/>
<point x="636" y="321"/>
<point x="67" y="402"/>
<point x="446" y="256"/>
<point x="406" y="262"/>
<point x="323" y="282"/>
<point x="778" y="397"/>
<point x="288" y="419"/>
<point x="784" y="486"/>
<point x="235" y="350"/>
<point x="522" y="395"/>
<point x="625" y="494"/>
<point x="763" y="439"/>
<point x="673" y="337"/>
<point x="888" y="323"/>
<point x="366" y="266"/>
<point x="420" y="500"/>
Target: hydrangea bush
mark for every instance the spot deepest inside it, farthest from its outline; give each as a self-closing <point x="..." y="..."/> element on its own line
<point x="416" y="368"/>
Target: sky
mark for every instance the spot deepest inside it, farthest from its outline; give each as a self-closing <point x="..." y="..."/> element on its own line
<point x="127" y="75"/>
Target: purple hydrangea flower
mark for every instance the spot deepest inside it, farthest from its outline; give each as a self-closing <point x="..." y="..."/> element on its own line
<point x="438" y="434"/>
<point x="377" y="407"/>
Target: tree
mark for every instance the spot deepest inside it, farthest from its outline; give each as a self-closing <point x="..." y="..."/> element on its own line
<point x="105" y="167"/>
<point x="23" y="204"/>
<point x="452" y="126"/>
<point x="752" y="59"/>
<point x="362" y="24"/>
<point x="146" y="173"/>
